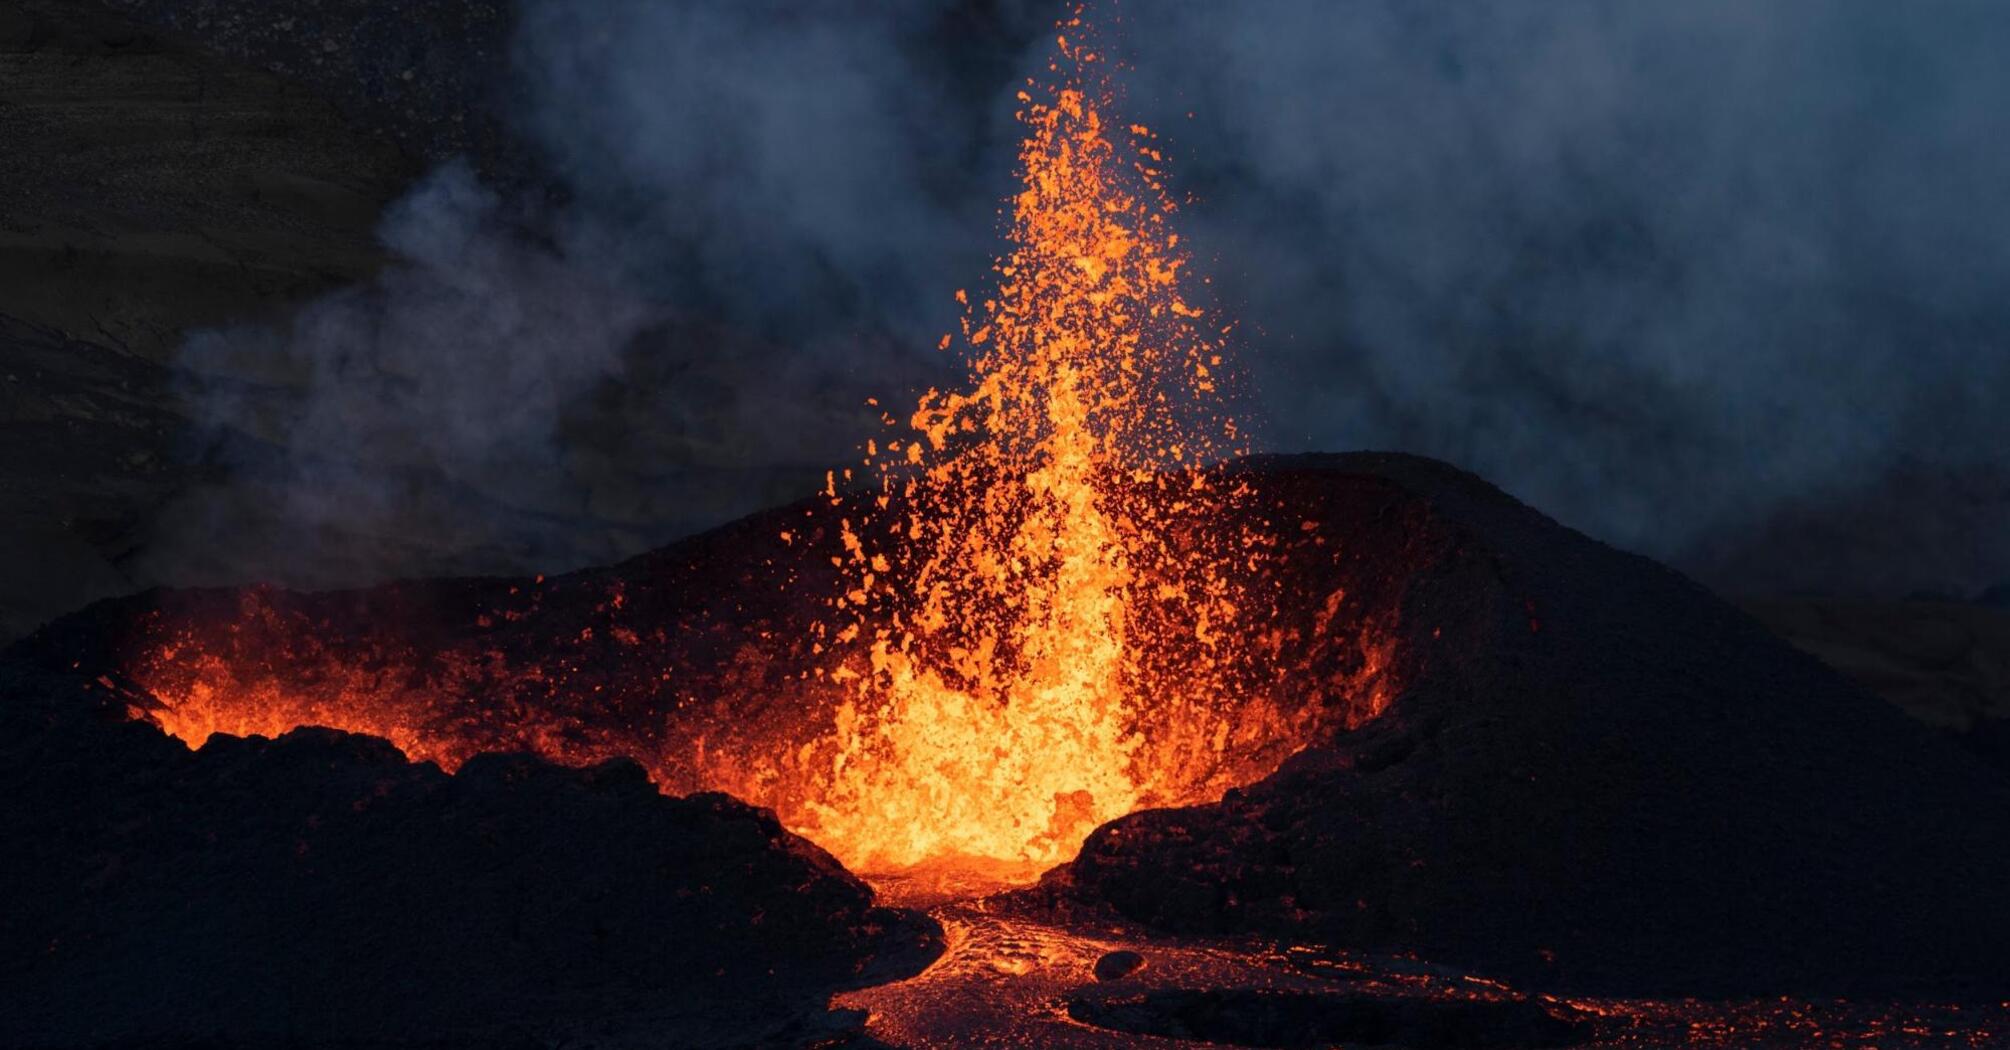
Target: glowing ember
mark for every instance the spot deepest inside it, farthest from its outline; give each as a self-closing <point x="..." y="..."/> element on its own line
<point x="996" y="715"/>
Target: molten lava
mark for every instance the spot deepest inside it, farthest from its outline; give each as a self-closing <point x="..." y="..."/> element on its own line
<point x="1040" y="612"/>
<point x="997" y="714"/>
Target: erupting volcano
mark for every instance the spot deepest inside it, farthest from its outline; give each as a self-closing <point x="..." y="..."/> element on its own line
<point x="1131" y="733"/>
<point x="1039" y="617"/>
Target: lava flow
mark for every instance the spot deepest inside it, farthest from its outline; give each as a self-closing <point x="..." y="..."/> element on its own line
<point x="1038" y="613"/>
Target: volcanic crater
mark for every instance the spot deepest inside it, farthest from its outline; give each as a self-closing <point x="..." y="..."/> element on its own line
<point x="1585" y="777"/>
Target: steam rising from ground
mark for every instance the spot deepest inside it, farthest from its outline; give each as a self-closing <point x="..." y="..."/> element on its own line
<point x="1682" y="275"/>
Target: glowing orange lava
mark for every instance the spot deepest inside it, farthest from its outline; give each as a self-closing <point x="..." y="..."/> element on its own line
<point x="997" y="714"/>
<point x="1040" y="611"/>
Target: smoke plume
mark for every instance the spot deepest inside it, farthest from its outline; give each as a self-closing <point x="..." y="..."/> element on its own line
<point x="1716" y="281"/>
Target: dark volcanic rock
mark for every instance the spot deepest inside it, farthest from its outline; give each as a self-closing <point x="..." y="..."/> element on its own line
<point x="1117" y="965"/>
<point x="1596" y="776"/>
<point x="319" y="889"/>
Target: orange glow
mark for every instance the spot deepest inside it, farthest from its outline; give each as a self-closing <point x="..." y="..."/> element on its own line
<point x="997" y="713"/>
<point x="1048" y="607"/>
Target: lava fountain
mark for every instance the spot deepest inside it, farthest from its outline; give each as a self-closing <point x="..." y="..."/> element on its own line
<point x="1045" y="599"/>
<point x="996" y="714"/>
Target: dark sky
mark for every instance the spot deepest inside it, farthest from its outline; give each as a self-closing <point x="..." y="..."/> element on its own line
<point x="1720" y="281"/>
